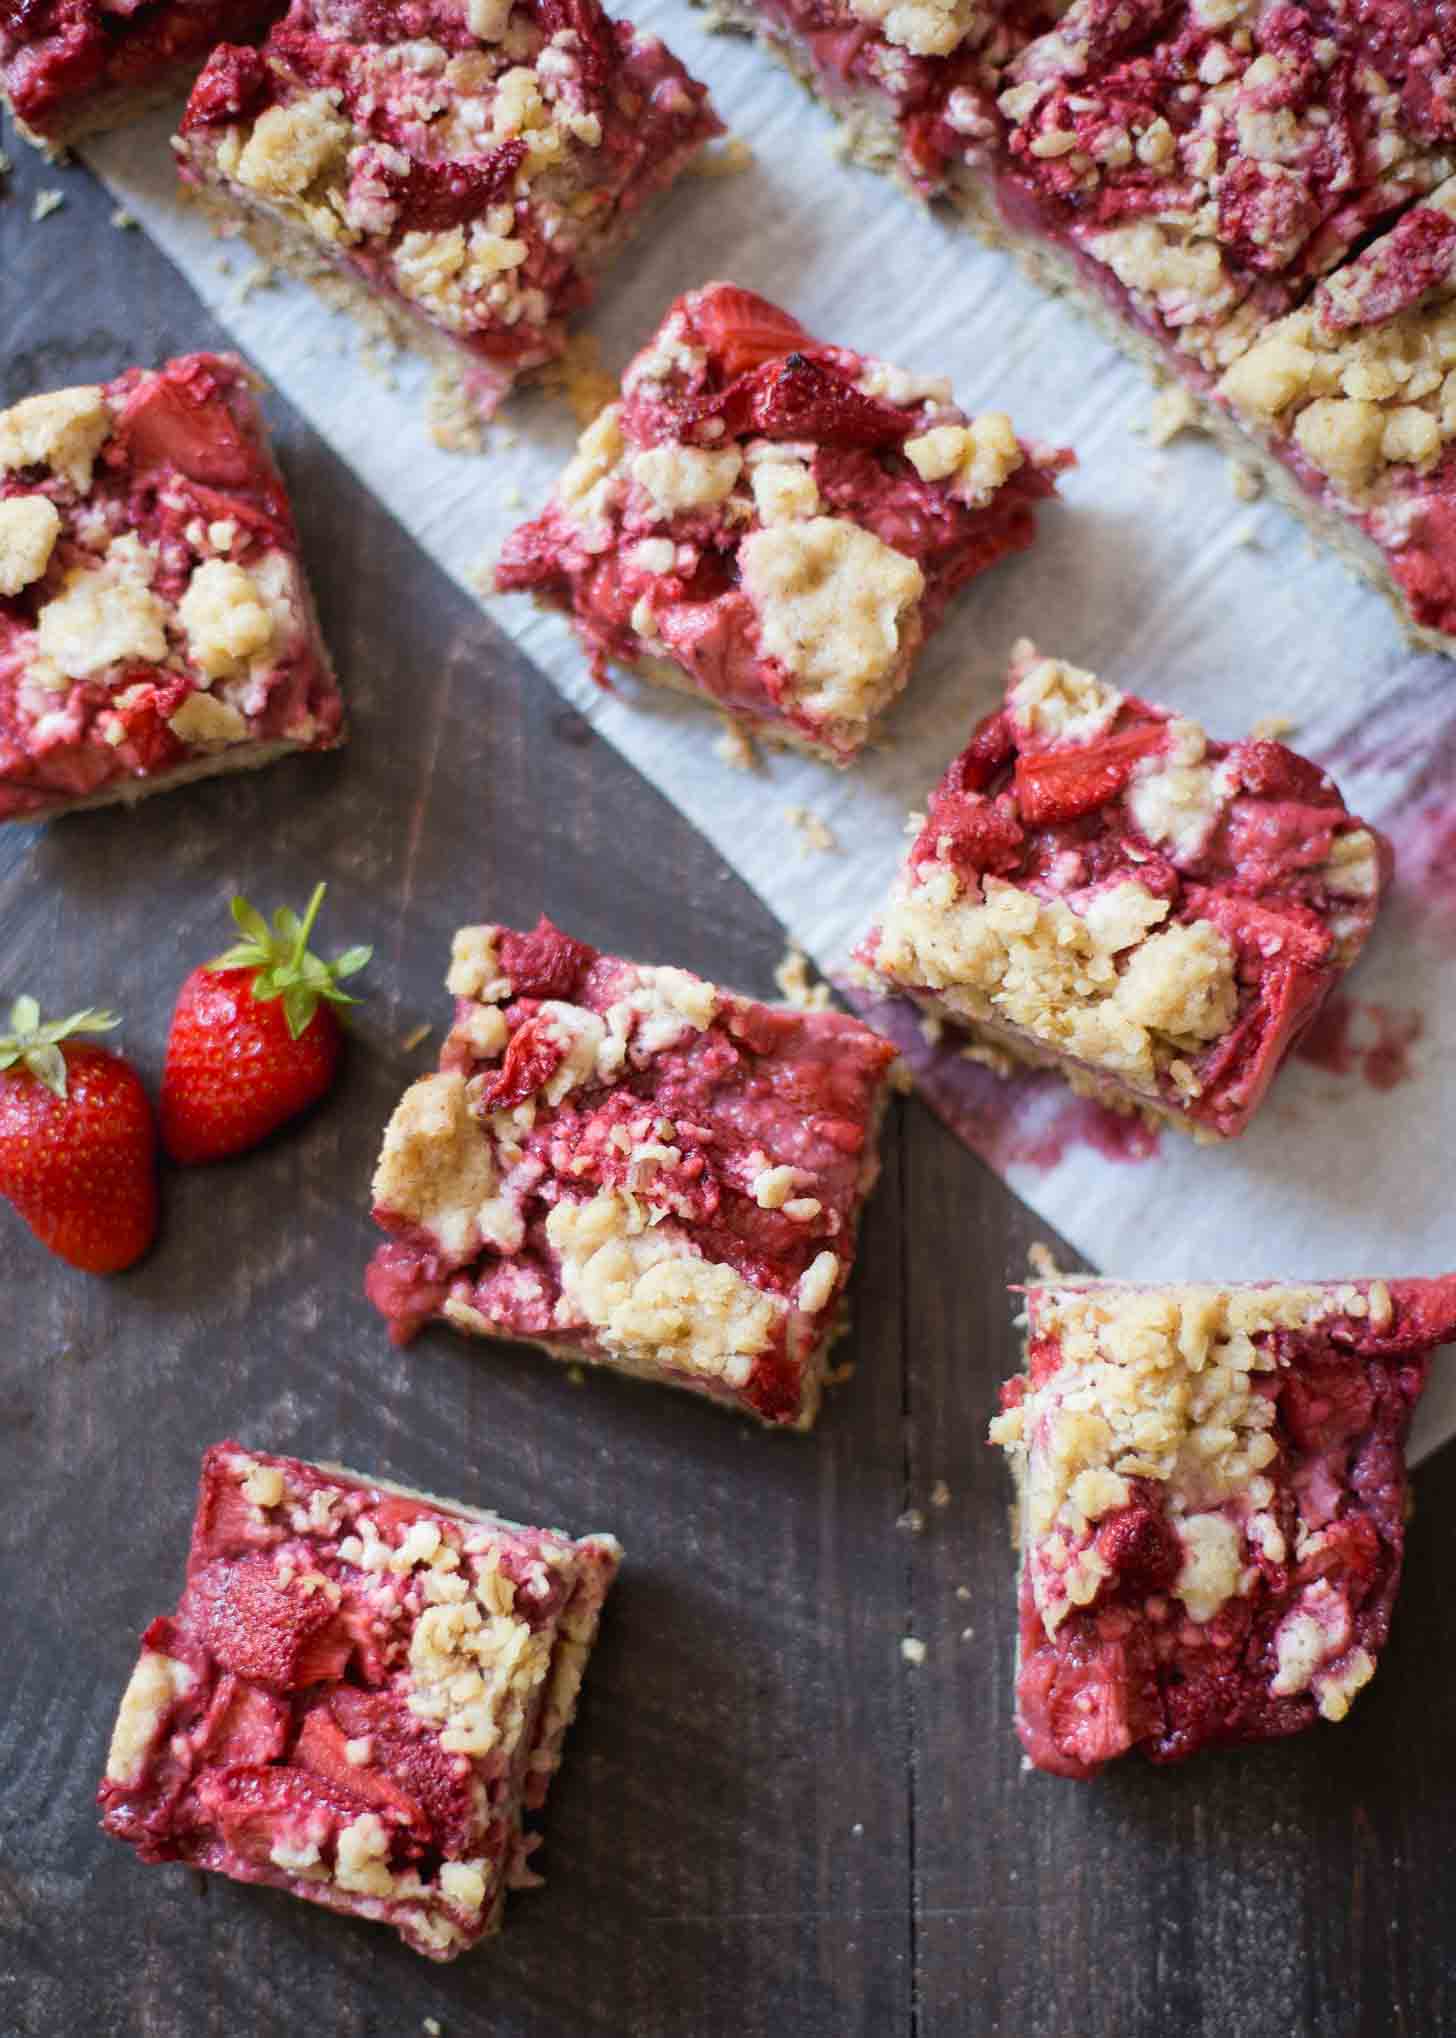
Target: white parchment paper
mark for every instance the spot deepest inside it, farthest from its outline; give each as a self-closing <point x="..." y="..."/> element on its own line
<point x="1152" y="572"/>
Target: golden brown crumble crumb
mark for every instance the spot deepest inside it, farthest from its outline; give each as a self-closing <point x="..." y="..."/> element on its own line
<point x="734" y="745"/>
<point x="815" y="836"/>
<point x="728" y="160"/>
<point x="1172" y="411"/>
<point x="794" y="983"/>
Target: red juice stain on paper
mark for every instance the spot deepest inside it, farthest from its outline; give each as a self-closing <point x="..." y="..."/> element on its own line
<point x="1354" y="1036"/>
<point x="1026" y="1119"/>
<point x="1425" y="862"/>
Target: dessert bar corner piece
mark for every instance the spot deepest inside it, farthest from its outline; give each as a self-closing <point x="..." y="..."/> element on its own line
<point x="155" y="623"/>
<point x="456" y="174"/>
<point x="627" y="1165"/>
<point x="1212" y="1502"/>
<point x="1353" y="400"/>
<point x="775" y="524"/>
<point x="71" y="68"/>
<point x="361" y="1691"/>
<point x="1189" y="174"/>
<point x="1100" y="888"/>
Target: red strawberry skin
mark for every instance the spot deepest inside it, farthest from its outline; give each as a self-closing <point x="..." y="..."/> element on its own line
<point x="234" y="1073"/>
<point x="82" y="1169"/>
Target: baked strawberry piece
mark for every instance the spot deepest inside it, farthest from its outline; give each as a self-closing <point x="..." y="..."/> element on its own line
<point x="1212" y="1502"/>
<point x="1101" y="888"/>
<point x="155" y="623"/>
<point x="458" y="169"/>
<point x="360" y="1694"/>
<point x="628" y="1165"/>
<point x="775" y="524"/>
<point x="70" y="68"/>
<point x="1354" y="398"/>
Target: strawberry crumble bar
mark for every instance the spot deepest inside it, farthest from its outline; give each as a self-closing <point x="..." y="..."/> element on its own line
<point x="774" y="524"/>
<point x="456" y="170"/>
<point x="1101" y="888"/>
<point x="362" y="1691"/>
<point x="1189" y="171"/>
<point x="630" y="1166"/>
<point x="69" y="68"/>
<point x="155" y="624"/>
<point x="1212" y="1502"/>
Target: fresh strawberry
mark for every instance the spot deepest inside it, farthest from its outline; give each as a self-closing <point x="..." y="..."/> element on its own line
<point x="743" y="329"/>
<point x="78" y="1142"/>
<point x="255" y="1039"/>
<point x="1061" y="784"/>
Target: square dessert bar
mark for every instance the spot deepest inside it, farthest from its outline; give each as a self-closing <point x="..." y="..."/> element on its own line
<point x="774" y="524"/>
<point x="360" y="1693"/>
<point x="1100" y="888"/>
<point x="155" y="623"/>
<point x="70" y="68"/>
<point x="1212" y="1501"/>
<point x="457" y="170"/>
<point x="630" y="1166"/>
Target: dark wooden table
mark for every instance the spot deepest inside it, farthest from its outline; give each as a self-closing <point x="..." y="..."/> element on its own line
<point x="770" y="1825"/>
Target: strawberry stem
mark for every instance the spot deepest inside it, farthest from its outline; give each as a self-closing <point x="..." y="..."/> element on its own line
<point x="34" y="1042"/>
<point x="286" y="968"/>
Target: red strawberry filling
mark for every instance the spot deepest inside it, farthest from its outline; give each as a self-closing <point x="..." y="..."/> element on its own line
<point x="55" y="55"/>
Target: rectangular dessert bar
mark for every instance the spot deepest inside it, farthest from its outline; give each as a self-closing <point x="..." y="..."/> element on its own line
<point x="457" y="172"/>
<point x="1211" y="1501"/>
<point x="1186" y="170"/>
<point x="69" y="68"/>
<point x="628" y="1165"/>
<point x="774" y="524"/>
<point x="361" y="1692"/>
<point x="1100" y="888"/>
<point x="155" y="623"/>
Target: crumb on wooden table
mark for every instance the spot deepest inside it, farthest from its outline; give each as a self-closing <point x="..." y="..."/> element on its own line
<point x="416" y="1034"/>
<point x="912" y="1649"/>
<point x="911" y="1522"/>
<point x="47" y="200"/>
<point x="123" y="220"/>
<point x="1042" y="1261"/>
<point x="940" y="1494"/>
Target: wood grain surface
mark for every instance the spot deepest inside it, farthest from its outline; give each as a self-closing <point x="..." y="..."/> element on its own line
<point x="769" y="1824"/>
